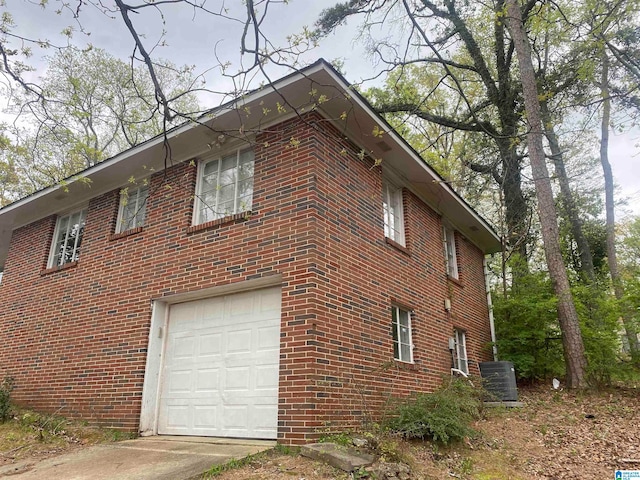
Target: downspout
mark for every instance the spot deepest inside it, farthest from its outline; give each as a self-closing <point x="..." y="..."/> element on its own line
<point x="492" y="325"/>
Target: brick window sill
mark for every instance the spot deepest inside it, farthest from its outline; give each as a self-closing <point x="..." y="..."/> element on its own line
<point x="236" y="218"/>
<point x="455" y="281"/>
<point x="397" y="246"/>
<point x="406" y="365"/>
<point x="126" y="233"/>
<point x="66" y="266"/>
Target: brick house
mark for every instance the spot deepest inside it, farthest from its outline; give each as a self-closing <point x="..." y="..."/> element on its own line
<point x="290" y="266"/>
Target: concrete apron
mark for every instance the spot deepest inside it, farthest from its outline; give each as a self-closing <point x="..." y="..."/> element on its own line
<point x="157" y="458"/>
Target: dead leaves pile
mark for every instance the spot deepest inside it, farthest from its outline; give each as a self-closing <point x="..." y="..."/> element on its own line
<point x="556" y="435"/>
<point x="561" y="434"/>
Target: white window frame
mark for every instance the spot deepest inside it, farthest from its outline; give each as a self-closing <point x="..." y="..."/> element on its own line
<point x="450" y="254"/>
<point x="136" y="198"/>
<point x="200" y="206"/>
<point x="393" y="220"/>
<point x="460" y="350"/>
<point x="1" y="275"/>
<point x="400" y="337"/>
<point x="58" y="240"/>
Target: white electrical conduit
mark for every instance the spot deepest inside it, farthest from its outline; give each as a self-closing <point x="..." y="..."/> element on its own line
<point x="492" y="325"/>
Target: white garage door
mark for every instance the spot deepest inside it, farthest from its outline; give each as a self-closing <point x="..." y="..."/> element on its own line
<point x="220" y="367"/>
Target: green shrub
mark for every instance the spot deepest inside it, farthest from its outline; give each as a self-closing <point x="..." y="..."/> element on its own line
<point x="5" y="399"/>
<point x="443" y="416"/>
<point x="527" y="327"/>
<point x="529" y="334"/>
<point x="45" y="424"/>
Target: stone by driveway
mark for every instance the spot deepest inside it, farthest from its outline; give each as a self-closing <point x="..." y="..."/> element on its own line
<point x="157" y="458"/>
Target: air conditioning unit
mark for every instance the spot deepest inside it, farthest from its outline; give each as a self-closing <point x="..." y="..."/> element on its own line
<point x="500" y="381"/>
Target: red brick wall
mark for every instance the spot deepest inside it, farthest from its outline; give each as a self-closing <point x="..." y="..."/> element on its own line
<point x="75" y="339"/>
<point x="362" y="276"/>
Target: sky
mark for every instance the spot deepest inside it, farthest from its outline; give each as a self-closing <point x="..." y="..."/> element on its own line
<point x="196" y="38"/>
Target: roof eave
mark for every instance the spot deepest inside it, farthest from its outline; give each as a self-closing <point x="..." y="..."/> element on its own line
<point x="192" y="139"/>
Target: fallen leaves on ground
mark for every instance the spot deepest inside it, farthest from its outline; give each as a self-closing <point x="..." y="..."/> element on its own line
<point x="566" y="434"/>
<point x="556" y="434"/>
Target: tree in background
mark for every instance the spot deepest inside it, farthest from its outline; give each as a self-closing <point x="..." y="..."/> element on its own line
<point x="8" y="176"/>
<point x="93" y="106"/>
<point x="466" y="51"/>
<point x="609" y="25"/>
<point x="629" y="247"/>
<point x="451" y="152"/>
<point x="575" y="359"/>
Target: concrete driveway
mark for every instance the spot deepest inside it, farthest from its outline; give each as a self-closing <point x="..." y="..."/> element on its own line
<point x="157" y="458"/>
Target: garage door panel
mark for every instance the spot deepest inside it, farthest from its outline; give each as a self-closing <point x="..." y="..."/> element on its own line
<point x="264" y="358"/>
<point x="241" y="307"/>
<point x="263" y="416"/>
<point x="237" y="379"/>
<point x="220" y="371"/>
<point x="269" y="303"/>
<point x="210" y="344"/>
<point x="179" y="416"/>
<point x="235" y="417"/>
<point x="208" y="380"/>
<point x="205" y="417"/>
<point x="252" y="397"/>
<point x="266" y="377"/>
<point x="239" y="341"/>
<point x="268" y="338"/>
<point x="184" y="316"/>
<point x="180" y="381"/>
<point x="212" y="308"/>
<point x="182" y="346"/>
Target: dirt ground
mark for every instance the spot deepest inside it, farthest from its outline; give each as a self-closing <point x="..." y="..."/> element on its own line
<point x="33" y="436"/>
<point x="555" y="435"/>
<point x="568" y="435"/>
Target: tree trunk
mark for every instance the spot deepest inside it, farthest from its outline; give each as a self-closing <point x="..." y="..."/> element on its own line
<point x="567" y="200"/>
<point x="494" y="73"/>
<point x="630" y="331"/>
<point x="516" y="207"/>
<point x="574" y="355"/>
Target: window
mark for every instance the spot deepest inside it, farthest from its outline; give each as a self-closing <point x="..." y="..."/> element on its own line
<point x="393" y="214"/>
<point x="133" y="207"/>
<point x="67" y="239"/>
<point x="1" y="275"/>
<point x="401" y="325"/>
<point x="460" y="351"/>
<point x="225" y="187"/>
<point x="450" y="252"/>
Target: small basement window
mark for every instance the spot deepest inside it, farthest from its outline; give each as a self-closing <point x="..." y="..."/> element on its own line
<point x="460" y="351"/>
<point x="401" y="331"/>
